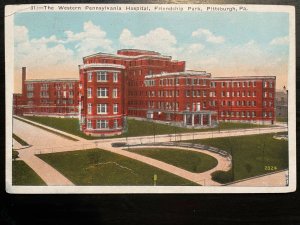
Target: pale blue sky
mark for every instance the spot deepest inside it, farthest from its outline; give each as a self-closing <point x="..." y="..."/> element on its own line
<point x="236" y="27"/>
<point x="225" y="44"/>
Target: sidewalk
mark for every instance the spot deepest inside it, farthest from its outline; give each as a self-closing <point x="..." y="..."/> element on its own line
<point x="47" y="173"/>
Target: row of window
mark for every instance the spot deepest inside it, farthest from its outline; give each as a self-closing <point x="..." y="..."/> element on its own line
<point x="45" y="87"/>
<point x="245" y="114"/>
<point x="102" y="124"/>
<point x="102" y="108"/>
<point x="45" y="94"/>
<point x="102" y="76"/>
<point x="102" y="93"/>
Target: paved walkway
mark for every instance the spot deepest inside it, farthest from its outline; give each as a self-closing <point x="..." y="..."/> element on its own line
<point x="48" y="174"/>
<point x="45" y="142"/>
<point x="200" y="178"/>
<point x="271" y="180"/>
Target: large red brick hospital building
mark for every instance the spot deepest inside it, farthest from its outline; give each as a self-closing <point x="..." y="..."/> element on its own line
<point x="146" y="84"/>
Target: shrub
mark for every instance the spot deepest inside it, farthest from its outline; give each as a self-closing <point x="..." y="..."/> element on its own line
<point x="15" y="155"/>
<point x="222" y="177"/>
<point x="118" y="144"/>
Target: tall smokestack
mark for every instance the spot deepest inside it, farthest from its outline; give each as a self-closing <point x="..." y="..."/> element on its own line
<point x="23" y="80"/>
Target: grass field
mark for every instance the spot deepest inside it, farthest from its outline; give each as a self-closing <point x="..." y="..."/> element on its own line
<point x="195" y="162"/>
<point x="252" y="155"/>
<point x="135" y="127"/>
<point x="99" y="167"/>
<point x="24" y="175"/>
<point x="20" y="140"/>
<point x="281" y="119"/>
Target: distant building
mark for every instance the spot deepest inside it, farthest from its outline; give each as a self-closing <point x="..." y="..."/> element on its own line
<point x="281" y="104"/>
<point x="149" y="85"/>
<point x="47" y="97"/>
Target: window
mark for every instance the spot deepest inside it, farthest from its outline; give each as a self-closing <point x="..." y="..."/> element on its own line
<point x="102" y="124"/>
<point x="89" y="124"/>
<point x="204" y="93"/>
<point x="90" y="76"/>
<point x="270" y="114"/>
<point x="29" y="94"/>
<point x="29" y="87"/>
<point x="89" y="108"/>
<point x="70" y="86"/>
<point x="101" y="108"/>
<point x="238" y="93"/>
<point x="187" y="81"/>
<point x="227" y="94"/>
<point x="270" y="104"/>
<point x="187" y="93"/>
<point x="102" y="92"/>
<point x="71" y="94"/>
<point x="271" y="84"/>
<point x="265" y="84"/>
<point x="116" y="108"/>
<point x="254" y="83"/>
<point x="115" y="93"/>
<point x="102" y="76"/>
<point x="89" y="92"/>
<point x="253" y="114"/>
<point x="115" y="123"/>
<point x="223" y="84"/>
<point x="115" y="77"/>
<point x="176" y="81"/>
<point x="254" y="93"/>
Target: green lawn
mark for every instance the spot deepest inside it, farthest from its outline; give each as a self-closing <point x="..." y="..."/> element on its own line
<point x="20" y="140"/>
<point x="135" y="127"/>
<point x="281" y="119"/>
<point x="195" y="162"/>
<point x="99" y="167"/>
<point x="252" y="155"/>
<point x="22" y="174"/>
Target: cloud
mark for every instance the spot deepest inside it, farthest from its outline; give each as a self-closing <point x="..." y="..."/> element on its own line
<point x="280" y="41"/>
<point x="20" y="34"/>
<point x="208" y="36"/>
<point x="90" y="40"/>
<point x="59" y="54"/>
<point x="158" y="39"/>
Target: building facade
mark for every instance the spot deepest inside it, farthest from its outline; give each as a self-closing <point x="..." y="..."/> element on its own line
<point x="149" y="85"/>
<point x="47" y="97"/>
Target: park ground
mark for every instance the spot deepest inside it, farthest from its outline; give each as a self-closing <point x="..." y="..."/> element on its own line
<point x="252" y="155"/>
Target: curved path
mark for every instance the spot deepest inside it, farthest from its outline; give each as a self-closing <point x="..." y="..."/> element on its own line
<point x="203" y="178"/>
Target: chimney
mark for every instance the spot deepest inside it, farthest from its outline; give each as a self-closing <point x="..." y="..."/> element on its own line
<point x="23" y="80"/>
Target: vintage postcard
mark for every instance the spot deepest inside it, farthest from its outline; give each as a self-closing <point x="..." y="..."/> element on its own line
<point x="122" y="98"/>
